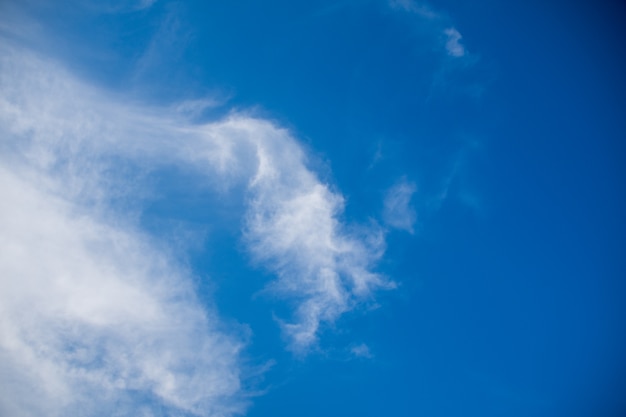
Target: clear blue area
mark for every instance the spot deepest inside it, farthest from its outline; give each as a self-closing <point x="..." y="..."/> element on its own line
<point x="512" y="290"/>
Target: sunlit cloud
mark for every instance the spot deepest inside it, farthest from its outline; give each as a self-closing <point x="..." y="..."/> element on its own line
<point x="106" y="311"/>
<point x="96" y="317"/>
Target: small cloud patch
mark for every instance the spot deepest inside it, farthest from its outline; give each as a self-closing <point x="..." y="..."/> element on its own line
<point x="453" y="44"/>
<point x="361" y="351"/>
<point x="398" y="212"/>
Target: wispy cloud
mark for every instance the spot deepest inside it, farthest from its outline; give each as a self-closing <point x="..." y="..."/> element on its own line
<point x="439" y="21"/>
<point x="453" y="44"/>
<point x="398" y="211"/>
<point x="419" y="8"/>
<point x="167" y="44"/>
<point x="116" y="6"/>
<point x="105" y="315"/>
<point x="95" y="317"/>
<point x="456" y="183"/>
<point x="293" y="227"/>
<point x="361" y="351"/>
<point x="144" y="4"/>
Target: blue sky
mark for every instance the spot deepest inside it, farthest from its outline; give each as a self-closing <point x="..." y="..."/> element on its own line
<point x="360" y="207"/>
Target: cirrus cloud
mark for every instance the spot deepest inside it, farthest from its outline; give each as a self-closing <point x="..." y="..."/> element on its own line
<point x="100" y="318"/>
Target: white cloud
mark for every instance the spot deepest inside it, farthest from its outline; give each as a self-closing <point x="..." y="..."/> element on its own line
<point x="292" y="224"/>
<point x="94" y="314"/>
<point x="453" y="44"/>
<point x="96" y="318"/>
<point x="398" y="212"/>
<point x="438" y="22"/>
<point x="361" y="351"/>
<point x="194" y="108"/>
<point x="412" y="6"/>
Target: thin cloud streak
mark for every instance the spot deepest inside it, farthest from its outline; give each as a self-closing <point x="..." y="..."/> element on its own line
<point x="418" y="8"/>
<point x="439" y="21"/>
<point x="398" y="211"/>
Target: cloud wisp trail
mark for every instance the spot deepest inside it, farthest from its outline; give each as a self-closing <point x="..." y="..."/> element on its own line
<point x="93" y="307"/>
